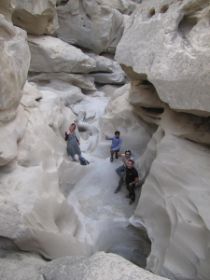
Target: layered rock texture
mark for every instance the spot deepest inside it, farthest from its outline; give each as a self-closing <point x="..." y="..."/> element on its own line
<point x="165" y="52"/>
<point x="58" y="67"/>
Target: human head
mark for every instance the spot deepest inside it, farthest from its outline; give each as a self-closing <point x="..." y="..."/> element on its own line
<point x="130" y="163"/>
<point x="117" y="134"/>
<point x="127" y="153"/>
<point x="72" y="127"/>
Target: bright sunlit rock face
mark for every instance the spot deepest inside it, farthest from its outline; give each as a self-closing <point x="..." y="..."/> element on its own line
<point x="55" y="73"/>
<point x="167" y="41"/>
<point x="168" y="70"/>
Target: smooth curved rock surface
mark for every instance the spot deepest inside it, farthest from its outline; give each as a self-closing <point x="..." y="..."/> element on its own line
<point x="90" y="25"/>
<point x="174" y="207"/>
<point x="49" y="54"/>
<point x="10" y="134"/>
<point x="167" y="43"/>
<point x="100" y="266"/>
<point x="21" y="266"/>
<point x="82" y="81"/>
<point x="36" y="17"/>
<point x="14" y="60"/>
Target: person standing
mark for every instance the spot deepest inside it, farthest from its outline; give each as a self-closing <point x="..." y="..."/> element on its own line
<point x="115" y="146"/>
<point x="73" y="145"/>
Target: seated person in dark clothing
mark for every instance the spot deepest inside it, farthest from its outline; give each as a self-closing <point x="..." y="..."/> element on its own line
<point x="121" y="169"/>
<point x="131" y="179"/>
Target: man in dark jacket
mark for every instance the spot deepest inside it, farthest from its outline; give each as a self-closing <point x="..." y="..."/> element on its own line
<point x="131" y="179"/>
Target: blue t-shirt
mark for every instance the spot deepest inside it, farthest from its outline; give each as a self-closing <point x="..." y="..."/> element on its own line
<point x="116" y="143"/>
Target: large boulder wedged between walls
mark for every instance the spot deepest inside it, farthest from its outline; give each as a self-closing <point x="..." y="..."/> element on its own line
<point x="168" y="41"/>
<point x="49" y="54"/>
<point x="14" y="61"/>
<point x="36" y="17"/>
<point x="90" y="25"/>
<point x="174" y="207"/>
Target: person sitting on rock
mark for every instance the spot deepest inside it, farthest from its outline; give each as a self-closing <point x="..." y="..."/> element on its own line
<point x="121" y="169"/>
<point x="131" y="179"/>
<point x="115" y="146"/>
<point x="73" y="145"/>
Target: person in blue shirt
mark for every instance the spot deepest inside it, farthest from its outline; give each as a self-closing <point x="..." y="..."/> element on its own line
<point x="115" y="146"/>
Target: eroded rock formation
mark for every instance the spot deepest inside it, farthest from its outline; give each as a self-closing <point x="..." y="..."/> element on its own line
<point x="36" y="17"/>
<point x="90" y="25"/>
<point x="56" y="207"/>
<point x="166" y="56"/>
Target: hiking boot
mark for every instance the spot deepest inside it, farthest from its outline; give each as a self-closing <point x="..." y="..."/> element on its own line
<point x="111" y="159"/>
<point x="127" y="196"/>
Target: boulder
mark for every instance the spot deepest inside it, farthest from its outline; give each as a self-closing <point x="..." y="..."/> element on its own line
<point x="100" y="266"/>
<point x="90" y="25"/>
<point x="166" y="43"/>
<point x="36" y="17"/>
<point x="49" y="54"/>
<point x="82" y="81"/>
<point x="22" y="266"/>
<point x="107" y="71"/>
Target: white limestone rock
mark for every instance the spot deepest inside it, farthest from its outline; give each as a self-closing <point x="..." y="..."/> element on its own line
<point x="124" y="6"/>
<point x="49" y="54"/>
<point x="21" y="266"/>
<point x="14" y="61"/>
<point x="90" y="25"/>
<point x="36" y="17"/>
<point x="100" y="266"/>
<point x="174" y="207"/>
<point x="107" y="71"/>
<point x="167" y="43"/>
<point x="82" y="81"/>
<point x="34" y="212"/>
<point x="120" y="116"/>
<point x="10" y="134"/>
<point x="31" y="96"/>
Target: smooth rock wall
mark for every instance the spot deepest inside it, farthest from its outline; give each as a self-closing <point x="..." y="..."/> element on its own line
<point x="90" y="25"/>
<point x="165" y="55"/>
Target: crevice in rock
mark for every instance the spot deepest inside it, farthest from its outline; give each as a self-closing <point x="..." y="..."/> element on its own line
<point x="153" y="110"/>
<point x="62" y="3"/>
<point x="164" y="9"/>
<point x="186" y="25"/>
<point x="151" y="12"/>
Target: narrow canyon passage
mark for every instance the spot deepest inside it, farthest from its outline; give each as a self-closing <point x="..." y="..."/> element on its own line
<point x="104" y="216"/>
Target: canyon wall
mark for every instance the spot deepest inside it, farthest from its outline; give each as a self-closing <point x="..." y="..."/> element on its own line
<point x="166" y="54"/>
